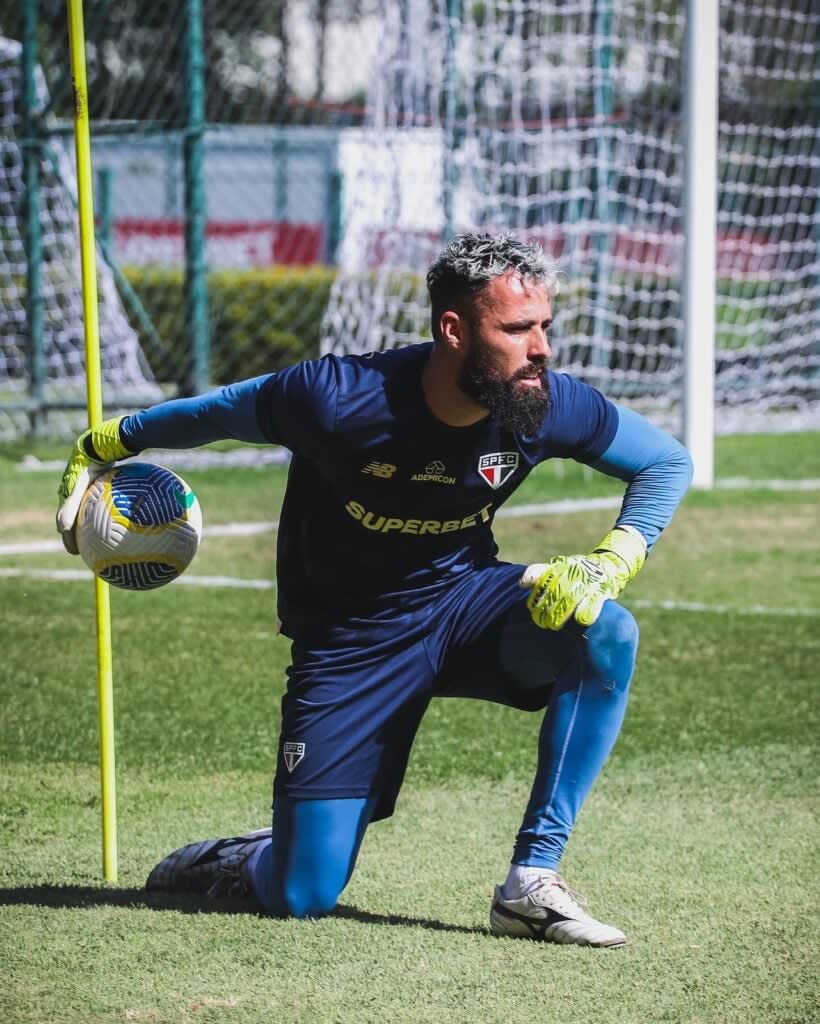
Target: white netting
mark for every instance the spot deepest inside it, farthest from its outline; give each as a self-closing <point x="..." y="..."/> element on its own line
<point x="563" y="122"/>
<point x="123" y="367"/>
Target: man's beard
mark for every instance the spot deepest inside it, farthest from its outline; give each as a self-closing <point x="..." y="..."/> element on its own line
<point x="519" y="409"/>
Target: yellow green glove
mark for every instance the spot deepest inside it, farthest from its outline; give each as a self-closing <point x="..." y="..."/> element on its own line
<point x="92" y="454"/>
<point x="576" y="586"/>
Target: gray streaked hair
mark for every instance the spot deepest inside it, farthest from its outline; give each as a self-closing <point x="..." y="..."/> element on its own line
<point x="468" y="264"/>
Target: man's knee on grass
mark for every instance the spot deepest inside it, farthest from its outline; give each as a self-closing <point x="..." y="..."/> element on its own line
<point x="304" y="898"/>
<point x="314" y="851"/>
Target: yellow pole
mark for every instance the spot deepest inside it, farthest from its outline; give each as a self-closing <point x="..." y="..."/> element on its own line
<point x="105" y="696"/>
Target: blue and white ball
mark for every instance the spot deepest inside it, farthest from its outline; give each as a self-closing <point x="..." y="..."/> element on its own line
<point x="138" y="526"/>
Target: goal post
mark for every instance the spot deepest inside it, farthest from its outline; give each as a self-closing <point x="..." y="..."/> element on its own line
<point x="561" y="122"/>
<point x="691" y="277"/>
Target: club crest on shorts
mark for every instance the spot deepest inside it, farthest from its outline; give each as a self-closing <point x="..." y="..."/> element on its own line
<point x="497" y="467"/>
<point x="293" y="754"/>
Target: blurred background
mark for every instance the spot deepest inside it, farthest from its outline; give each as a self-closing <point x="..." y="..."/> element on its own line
<point x="272" y="178"/>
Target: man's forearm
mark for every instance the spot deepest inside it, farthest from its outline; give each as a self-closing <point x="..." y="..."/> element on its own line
<point x="658" y="470"/>
<point x="224" y="413"/>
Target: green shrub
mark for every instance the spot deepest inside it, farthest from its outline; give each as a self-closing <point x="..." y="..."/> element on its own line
<point x="259" y="320"/>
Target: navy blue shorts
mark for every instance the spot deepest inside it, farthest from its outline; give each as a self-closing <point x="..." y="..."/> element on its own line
<point x="352" y="708"/>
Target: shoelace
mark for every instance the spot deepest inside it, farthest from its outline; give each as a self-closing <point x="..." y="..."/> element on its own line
<point x="572" y="893"/>
<point x="546" y="881"/>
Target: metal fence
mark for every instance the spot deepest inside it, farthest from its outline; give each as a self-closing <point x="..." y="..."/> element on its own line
<point x="218" y="192"/>
<point x="264" y="168"/>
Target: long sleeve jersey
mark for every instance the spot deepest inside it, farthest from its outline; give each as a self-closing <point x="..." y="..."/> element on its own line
<point x="386" y="505"/>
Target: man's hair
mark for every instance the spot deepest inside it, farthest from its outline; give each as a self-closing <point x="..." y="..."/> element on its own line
<point x="460" y="273"/>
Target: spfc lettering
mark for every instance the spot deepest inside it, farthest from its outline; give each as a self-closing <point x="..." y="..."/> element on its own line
<point x="494" y="469"/>
<point x="293" y="753"/>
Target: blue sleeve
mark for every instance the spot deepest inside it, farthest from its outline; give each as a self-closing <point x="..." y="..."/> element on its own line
<point x="294" y="407"/>
<point x="229" y="412"/>
<point x="658" y="470"/>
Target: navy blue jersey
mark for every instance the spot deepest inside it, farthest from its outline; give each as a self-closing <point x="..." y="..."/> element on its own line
<point x="385" y="504"/>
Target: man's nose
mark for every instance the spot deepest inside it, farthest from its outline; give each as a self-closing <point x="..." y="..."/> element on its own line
<point x="539" y="344"/>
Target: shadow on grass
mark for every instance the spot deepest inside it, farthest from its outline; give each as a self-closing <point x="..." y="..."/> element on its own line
<point x="82" y="897"/>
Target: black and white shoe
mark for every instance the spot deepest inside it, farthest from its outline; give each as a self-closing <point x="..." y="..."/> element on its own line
<point x="214" y="867"/>
<point x="549" y="911"/>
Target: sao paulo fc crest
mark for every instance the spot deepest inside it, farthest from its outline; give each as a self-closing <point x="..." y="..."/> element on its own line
<point x="494" y="469"/>
<point x="293" y="754"/>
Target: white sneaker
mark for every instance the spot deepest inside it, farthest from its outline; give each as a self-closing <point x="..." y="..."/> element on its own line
<point x="550" y="911"/>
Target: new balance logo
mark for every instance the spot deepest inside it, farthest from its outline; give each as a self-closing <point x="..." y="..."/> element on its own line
<point x="383" y="470"/>
<point x="293" y="754"/>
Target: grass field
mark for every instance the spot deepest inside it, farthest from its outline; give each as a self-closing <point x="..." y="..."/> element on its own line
<point x="700" y="839"/>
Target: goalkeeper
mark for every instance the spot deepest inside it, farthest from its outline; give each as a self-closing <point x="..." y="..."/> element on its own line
<point x="391" y="591"/>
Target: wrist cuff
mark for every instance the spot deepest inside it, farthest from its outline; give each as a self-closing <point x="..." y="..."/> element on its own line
<point x="103" y="443"/>
<point x="628" y="544"/>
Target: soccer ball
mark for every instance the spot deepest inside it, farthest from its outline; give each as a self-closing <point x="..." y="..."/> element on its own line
<point x="138" y="526"/>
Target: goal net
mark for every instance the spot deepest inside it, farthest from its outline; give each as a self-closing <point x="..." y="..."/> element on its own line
<point x="62" y="346"/>
<point x="563" y="122"/>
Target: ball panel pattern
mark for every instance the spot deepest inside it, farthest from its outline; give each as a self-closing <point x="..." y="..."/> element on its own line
<point x="139" y="526"/>
<point x="139" y="575"/>
<point x="148" y="496"/>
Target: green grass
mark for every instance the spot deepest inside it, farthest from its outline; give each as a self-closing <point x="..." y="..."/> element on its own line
<point x="699" y="839"/>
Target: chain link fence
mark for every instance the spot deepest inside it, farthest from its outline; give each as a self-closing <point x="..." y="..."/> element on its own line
<point x="271" y="178"/>
<point x="223" y="115"/>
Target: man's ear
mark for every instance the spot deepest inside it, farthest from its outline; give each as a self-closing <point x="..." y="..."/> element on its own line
<point x="454" y="331"/>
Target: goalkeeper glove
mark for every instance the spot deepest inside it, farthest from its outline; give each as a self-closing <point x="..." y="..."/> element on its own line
<point x="93" y="453"/>
<point x="577" y="585"/>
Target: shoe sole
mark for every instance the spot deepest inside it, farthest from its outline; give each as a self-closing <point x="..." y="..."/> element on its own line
<point x="506" y="923"/>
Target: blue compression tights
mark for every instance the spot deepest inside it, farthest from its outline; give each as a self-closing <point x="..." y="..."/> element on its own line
<point x="303" y="870"/>
<point x="582" y="722"/>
